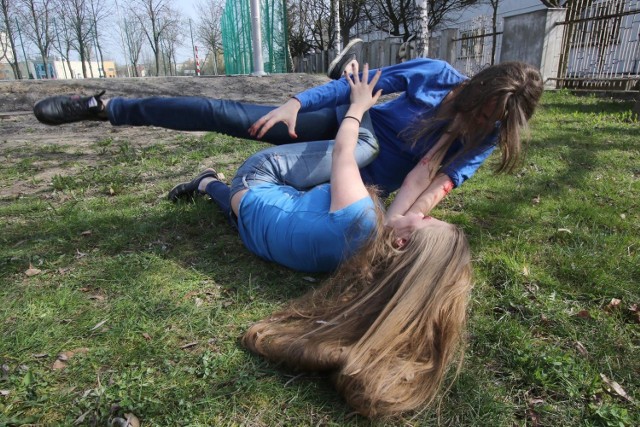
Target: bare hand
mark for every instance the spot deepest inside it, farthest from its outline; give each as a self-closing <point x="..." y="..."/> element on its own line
<point x="286" y="113"/>
<point x="362" y="91"/>
<point x="404" y="226"/>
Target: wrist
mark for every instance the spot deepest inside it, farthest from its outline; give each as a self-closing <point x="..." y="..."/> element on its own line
<point x="295" y="101"/>
<point x="356" y="111"/>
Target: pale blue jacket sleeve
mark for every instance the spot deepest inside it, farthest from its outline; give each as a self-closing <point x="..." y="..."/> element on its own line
<point x="423" y="80"/>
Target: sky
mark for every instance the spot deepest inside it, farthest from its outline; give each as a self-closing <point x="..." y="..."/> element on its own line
<point x="113" y="44"/>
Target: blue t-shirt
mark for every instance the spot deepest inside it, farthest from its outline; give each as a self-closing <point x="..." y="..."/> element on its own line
<point x="295" y="228"/>
<point x="423" y="84"/>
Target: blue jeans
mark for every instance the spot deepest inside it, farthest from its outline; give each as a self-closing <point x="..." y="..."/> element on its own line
<point x="215" y="115"/>
<point x="301" y="166"/>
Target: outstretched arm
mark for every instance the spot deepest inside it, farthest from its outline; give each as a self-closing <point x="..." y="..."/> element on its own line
<point x="421" y="189"/>
<point x="402" y="224"/>
<point x="412" y="77"/>
<point x="347" y="186"/>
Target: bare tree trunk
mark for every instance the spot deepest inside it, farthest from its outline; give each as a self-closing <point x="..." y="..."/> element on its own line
<point x="422" y="44"/>
<point x="69" y="65"/>
<point x="494" y="27"/>
<point x="36" y="17"/>
<point x="98" y="11"/>
<point x="335" y="12"/>
<point x="5" y="4"/>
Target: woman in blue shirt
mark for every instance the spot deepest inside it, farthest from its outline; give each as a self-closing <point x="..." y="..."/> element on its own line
<point x="281" y="217"/>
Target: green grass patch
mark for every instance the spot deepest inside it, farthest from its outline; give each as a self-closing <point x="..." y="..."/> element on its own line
<point x="146" y="300"/>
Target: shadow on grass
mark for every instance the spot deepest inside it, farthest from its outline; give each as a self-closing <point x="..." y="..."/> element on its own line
<point x="194" y="236"/>
<point x="576" y="155"/>
<point x="150" y="263"/>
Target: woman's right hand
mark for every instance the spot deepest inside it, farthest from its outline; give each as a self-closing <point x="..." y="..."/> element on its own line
<point x="286" y="113"/>
<point x="362" y="90"/>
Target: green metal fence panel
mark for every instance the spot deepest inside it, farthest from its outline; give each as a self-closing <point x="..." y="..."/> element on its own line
<point x="236" y="37"/>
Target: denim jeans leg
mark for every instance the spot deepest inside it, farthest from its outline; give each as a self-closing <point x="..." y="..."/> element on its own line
<point x="215" y="115"/>
<point x="301" y="166"/>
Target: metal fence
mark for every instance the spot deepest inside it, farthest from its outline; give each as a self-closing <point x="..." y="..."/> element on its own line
<point x="236" y="37"/>
<point x="474" y="45"/>
<point x="600" y="48"/>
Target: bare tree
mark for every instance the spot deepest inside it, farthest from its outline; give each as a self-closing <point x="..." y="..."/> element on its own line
<point x="320" y="25"/>
<point x="443" y="11"/>
<point x="99" y="10"/>
<point x="171" y="40"/>
<point x="135" y="38"/>
<point x="299" y="30"/>
<point x="494" y="28"/>
<point x="350" y="13"/>
<point x="78" y="17"/>
<point x="155" y="17"/>
<point x="394" y="16"/>
<point x="36" y="16"/>
<point x="208" y="30"/>
<point x="63" y="43"/>
<point x="404" y="17"/>
<point x="8" y="10"/>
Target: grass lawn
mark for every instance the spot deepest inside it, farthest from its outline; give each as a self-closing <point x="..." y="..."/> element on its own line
<point x="114" y="301"/>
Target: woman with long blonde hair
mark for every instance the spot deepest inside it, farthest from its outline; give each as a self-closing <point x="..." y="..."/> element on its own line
<point x="386" y="326"/>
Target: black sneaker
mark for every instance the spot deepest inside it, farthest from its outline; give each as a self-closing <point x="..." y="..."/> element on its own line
<point x="57" y="110"/>
<point x="190" y="189"/>
<point x="351" y="51"/>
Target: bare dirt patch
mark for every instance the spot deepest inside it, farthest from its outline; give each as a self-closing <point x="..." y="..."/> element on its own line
<point x="21" y="132"/>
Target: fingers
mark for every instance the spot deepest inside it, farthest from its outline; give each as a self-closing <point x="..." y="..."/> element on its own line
<point x="268" y="124"/>
<point x="260" y="127"/>
<point x="292" y="129"/>
<point x="355" y="71"/>
<point x="354" y="77"/>
<point x="348" y="77"/>
<point x="377" y="95"/>
<point x="376" y="77"/>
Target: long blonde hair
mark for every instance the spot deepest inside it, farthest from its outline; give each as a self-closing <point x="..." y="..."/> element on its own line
<point x="386" y="326"/>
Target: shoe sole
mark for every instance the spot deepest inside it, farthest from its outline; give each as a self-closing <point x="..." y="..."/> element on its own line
<point x="340" y="56"/>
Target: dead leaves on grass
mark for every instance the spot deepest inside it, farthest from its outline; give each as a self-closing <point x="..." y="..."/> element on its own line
<point x="613" y="388"/>
<point x="631" y="311"/>
<point x="614" y="306"/>
<point x="129" y="420"/>
<point x="32" y="271"/>
<point x="64" y="357"/>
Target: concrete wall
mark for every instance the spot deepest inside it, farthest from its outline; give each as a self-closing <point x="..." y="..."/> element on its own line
<point x="62" y="70"/>
<point x="535" y="38"/>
